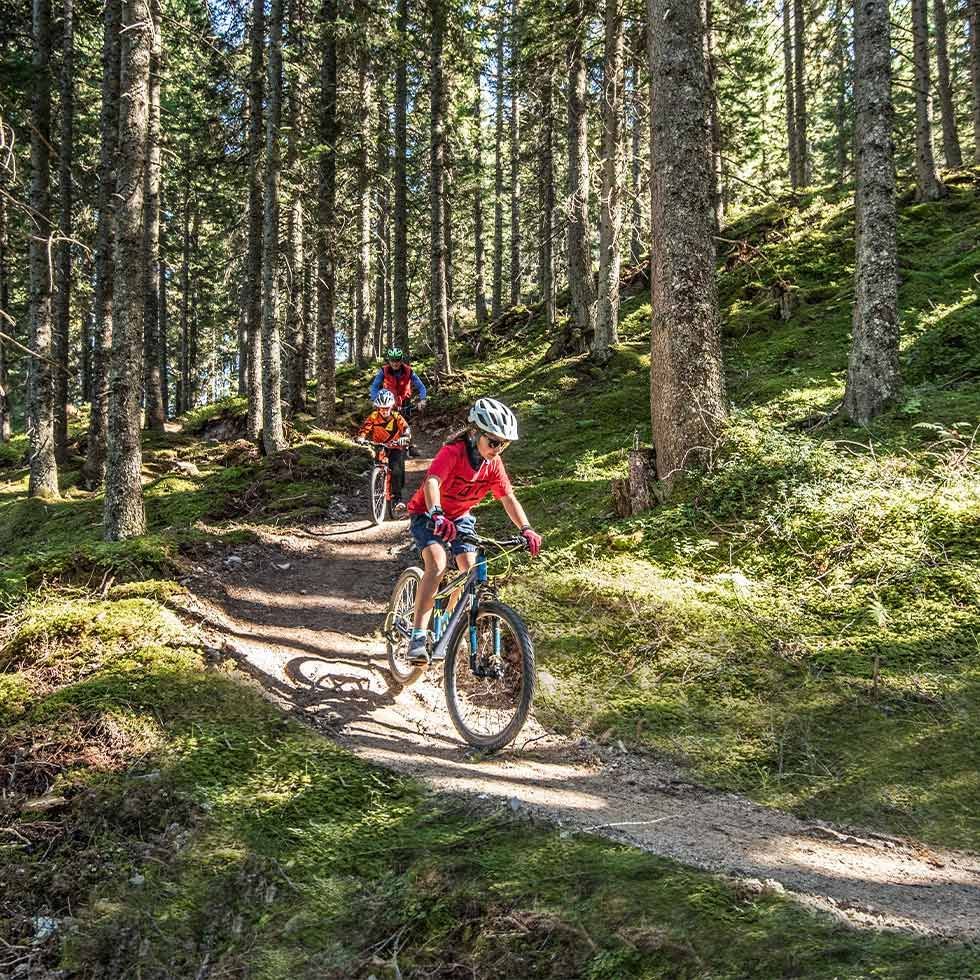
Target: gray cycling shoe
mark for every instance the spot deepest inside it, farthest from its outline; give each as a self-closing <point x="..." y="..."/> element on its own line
<point x="418" y="651"/>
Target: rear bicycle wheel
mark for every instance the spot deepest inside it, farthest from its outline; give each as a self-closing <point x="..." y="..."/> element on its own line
<point x="489" y="698"/>
<point x="379" y="494"/>
<point x="398" y="627"/>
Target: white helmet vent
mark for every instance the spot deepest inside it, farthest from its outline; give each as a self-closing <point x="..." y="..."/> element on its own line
<point x="494" y="418"/>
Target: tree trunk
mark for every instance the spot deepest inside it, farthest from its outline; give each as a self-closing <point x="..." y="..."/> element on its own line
<point x="400" y="264"/>
<point x="4" y="305"/>
<point x="295" y="168"/>
<point x="40" y="383"/>
<point x="709" y="60"/>
<point x="636" y="208"/>
<point x="497" y="294"/>
<point x="94" y="468"/>
<point x="951" y="141"/>
<point x="363" y="294"/>
<point x="873" y="379"/>
<point x="546" y="198"/>
<point x="253" y="307"/>
<point x="61" y="346"/>
<point x="515" y="159"/>
<point x="792" y="145"/>
<point x="579" y="234"/>
<point x="155" y="414"/>
<point x="383" y="208"/>
<point x="928" y="185"/>
<point x="842" y="138"/>
<point x="326" y="371"/>
<point x="799" y="86"/>
<point x="164" y="320"/>
<point x="440" y="312"/>
<point x="447" y="208"/>
<point x="124" y="516"/>
<point x="184" y="400"/>
<point x="610" y="211"/>
<point x="478" y="243"/>
<point x="686" y="380"/>
<point x="974" y="16"/>
<point x="273" y="438"/>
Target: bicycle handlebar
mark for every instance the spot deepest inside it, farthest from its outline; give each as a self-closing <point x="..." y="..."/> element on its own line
<point x="517" y="542"/>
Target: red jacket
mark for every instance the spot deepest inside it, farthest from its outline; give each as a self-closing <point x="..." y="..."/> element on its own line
<point x="400" y="385"/>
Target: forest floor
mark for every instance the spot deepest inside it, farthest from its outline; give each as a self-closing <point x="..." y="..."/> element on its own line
<point x="300" y="610"/>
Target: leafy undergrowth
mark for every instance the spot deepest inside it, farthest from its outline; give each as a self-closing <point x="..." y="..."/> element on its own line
<point x="803" y="621"/>
<point x="162" y="820"/>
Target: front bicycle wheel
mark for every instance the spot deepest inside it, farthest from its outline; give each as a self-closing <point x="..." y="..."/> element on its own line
<point x="379" y="494"/>
<point x="489" y="676"/>
<point x="398" y="627"/>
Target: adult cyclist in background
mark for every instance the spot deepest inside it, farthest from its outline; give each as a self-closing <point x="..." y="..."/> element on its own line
<point x="398" y="377"/>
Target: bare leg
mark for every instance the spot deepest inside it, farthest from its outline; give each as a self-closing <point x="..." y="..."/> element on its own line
<point x="434" y="558"/>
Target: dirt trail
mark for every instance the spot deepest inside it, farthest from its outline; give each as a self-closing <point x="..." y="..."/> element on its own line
<point x="301" y="611"/>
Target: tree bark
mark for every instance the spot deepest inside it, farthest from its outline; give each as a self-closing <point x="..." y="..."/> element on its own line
<point x="842" y="137"/>
<point x="686" y="380"/>
<point x="479" y="247"/>
<point x="43" y="481"/>
<point x="951" y="142"/>
<point x="164" y="319"/>
<point x="383" y="202"/>
<point x="253" y="308"/>
<point x="709" y="60"/>
<point x="295" y="218"/>
<point x="400" y="264"/>
<point x="792" y="144"/>
<point x="94" y="468"/>
<point x="440" y="312"/>
<point x="5" y="306"/>
<point x="326" y="388"/>
<point x="124" y="516"/>
<point x="61" y="346"/>
<point x="155" y="414"/>
<point x="497" y="294"/>
<point x="447" y="205"/>
<point x="799" y="86"/>
<point x="515" y="159"/>
<point x="184" y="396"/>
<point x="273" y="438"/>
<point x="579" y="234"/>
<point x="873" y="379"/>
<point x="363" y="294"/>
<point x="546" y="197"/>
<point x="610" y="210"/>
<point x="636" y="207"/>
<point x="974" y="16"/>
<point x="928" y="184"/>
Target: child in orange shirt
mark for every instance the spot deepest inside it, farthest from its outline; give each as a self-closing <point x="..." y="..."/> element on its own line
<point x="385" y="426"/>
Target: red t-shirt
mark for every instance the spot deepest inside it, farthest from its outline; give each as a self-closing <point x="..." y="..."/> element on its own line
<point x="461" y="487"/>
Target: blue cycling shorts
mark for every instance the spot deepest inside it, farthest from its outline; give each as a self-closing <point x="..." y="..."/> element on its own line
<point x="424" y="535"/>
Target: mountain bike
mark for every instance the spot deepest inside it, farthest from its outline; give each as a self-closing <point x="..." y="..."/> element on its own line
<point x="487" y="654"/>
<point x="380" y="480"/>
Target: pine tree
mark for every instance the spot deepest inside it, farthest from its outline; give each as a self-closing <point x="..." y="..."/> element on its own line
<point x="974" y="17"/>
<point x="951" y="141"/>
<point x="273" y="438"/>
<point x="610" y="217"/>
<point x="873" y="379"/>
<point x="400" y="243"/>
<point x="440" y="313"/>
<point x="546" y="197"/>
<point x="928" y="184"/>
<point x="365" y="97"/>
<point x="686" y="379"/>
<point x="124" y="516"/>
<point x="497" y="292"/>
<point x="515" y="159"/>
<point x="5" y="425"/>
<point x="253" y="275"/>
<point x="40" y="388"/>
<point x="479" y="246"/>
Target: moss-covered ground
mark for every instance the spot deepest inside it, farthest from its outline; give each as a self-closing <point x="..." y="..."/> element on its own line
<point x="800" y="623"/>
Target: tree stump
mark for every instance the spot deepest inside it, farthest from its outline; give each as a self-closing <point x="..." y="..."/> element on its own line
<point x="637" y="493"/>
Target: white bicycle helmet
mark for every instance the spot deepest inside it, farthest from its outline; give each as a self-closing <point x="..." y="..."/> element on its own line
<point x="385" y="399"/>
<point x="494" y="418"/>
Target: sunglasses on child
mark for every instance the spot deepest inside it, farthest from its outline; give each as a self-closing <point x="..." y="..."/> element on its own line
<point x="496" y="443"/>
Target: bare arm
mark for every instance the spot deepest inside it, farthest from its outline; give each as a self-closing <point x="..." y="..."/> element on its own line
<point x="514" y="510"/>
<point x="433" y="496"/>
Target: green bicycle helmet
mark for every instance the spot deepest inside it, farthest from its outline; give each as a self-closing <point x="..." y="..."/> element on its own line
<point x="393" y="354"/>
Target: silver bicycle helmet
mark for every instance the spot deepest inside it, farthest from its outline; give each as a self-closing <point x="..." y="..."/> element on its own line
<point x="385" y="399"/>
<point x="494" y="418"/>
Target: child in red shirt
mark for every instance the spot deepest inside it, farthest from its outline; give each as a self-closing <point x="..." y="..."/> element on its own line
<point x="464" y="471"/>
<point x="385" y="426"/>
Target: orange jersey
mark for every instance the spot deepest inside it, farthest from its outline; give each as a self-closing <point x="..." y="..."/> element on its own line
<point x="379" y="429"/>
